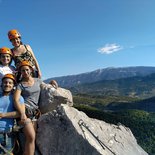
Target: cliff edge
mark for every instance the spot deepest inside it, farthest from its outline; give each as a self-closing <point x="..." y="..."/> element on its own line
<point x="63" y="130"/>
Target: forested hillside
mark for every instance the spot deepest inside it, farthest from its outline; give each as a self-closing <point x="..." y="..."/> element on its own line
<point x="135" y="113"/>
<point x="141" y="123"/>
<point x="138" y="86"/>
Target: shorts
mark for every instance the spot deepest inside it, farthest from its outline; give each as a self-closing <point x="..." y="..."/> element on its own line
<point x="33" y="114"/>
<point x="7" y="140"/>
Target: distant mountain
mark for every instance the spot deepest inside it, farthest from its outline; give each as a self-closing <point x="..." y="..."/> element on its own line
<point x="102" y="74"/>
<point x="138" y="86"/>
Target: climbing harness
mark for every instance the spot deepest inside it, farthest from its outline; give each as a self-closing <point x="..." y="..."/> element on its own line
<point x="3" y="143"/>
<point x="32" y="112"/>
<point x="83" y="124"/>
<point x="5" y="150"/>
<point x="12" y="131"/>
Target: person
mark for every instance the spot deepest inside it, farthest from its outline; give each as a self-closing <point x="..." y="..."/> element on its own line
<point x="7" y="114"/>
<point x="23" y="52"/>
<point x="29" y="88"/>
<point x="5" y="63"/>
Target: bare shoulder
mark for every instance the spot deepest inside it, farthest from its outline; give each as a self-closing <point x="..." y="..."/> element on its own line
<point x="28" y="46"/>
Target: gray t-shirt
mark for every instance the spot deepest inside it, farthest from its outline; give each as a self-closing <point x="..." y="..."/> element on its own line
<point x="31" y="93"/>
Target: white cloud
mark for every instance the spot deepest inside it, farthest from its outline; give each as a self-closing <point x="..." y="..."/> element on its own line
<point x="110" y="48"/>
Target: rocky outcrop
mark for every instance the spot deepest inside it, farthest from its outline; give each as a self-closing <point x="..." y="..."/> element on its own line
<point x="63" y="130"/>
<point x="67" y="131"/>
<point x="50" y="98"/>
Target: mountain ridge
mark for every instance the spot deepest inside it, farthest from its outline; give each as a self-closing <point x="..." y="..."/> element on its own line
<point x="109" y="73"/>
<point x="137" y="86"/>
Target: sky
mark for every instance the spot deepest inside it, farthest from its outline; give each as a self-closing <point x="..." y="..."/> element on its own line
<point x="70" y="37"/>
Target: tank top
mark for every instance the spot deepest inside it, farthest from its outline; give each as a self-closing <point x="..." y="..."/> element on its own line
<point x="24" y="56"/>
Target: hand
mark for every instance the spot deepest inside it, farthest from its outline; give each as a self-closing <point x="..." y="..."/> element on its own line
<point x="1" y="115"/>
<point x="24" y="122"/>
<point x="54" y="84"/>
<point x="23" y="117"/>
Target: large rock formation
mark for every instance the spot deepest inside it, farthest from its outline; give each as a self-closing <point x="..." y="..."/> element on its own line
<point x="50" y="97"/>
<point x="67" y="131"/>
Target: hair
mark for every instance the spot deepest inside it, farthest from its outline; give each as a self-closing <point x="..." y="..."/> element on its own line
<point x="21" y="41"/>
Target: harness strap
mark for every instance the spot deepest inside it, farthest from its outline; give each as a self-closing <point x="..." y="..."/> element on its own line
<point x="6" y="132"/>
<point x="30" y="106"/>
<point x="5" y="150"/>
<point x="32" y="113"/>
<point x="8" y="152"/>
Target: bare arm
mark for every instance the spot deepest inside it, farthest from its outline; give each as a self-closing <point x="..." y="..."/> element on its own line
<point x="13" y="114"/>
<point x="36" y="62"/>
<point x="20" y="107"/>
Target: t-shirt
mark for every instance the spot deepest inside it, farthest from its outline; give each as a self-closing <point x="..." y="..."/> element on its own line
<point x="6" y="70"/>
<point x="31" y="93"/>
<point x="7" y="105"/>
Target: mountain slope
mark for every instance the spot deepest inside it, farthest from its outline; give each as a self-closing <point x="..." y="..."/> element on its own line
<point x="102" y="74"/>
<point x="143" y="87"/>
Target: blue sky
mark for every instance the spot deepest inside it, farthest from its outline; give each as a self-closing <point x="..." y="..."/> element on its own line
<point x="75" y="36"/>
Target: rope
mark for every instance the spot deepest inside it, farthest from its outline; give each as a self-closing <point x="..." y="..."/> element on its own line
<point x="5" y="150"/>
<point x="83" y="124"/>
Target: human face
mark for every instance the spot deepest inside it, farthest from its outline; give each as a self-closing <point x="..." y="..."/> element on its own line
<point x="5" y="59"/>
<point x="16" y="42"/>
<point x="7" y="85"/>
<point x="26" y="71"/>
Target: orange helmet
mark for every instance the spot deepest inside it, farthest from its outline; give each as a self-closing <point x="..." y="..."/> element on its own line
<point x="24" y="63"/>
<point x="10" y="76"/>
<point x="13" y="34"/>
<point x="5" y="50"/>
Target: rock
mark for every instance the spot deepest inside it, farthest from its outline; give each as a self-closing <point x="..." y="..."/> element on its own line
<point x="67" y="131"/>
<point x="50" y="97"/>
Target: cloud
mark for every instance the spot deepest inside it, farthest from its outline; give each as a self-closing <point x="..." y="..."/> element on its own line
<point x="110" y="48"/>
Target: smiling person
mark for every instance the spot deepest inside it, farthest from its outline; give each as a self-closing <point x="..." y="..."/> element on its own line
<point x="5" y="63"/>
<point x="29" y="88"/>
<point x="7" y="114"/>
<point x="23" y="52"/>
